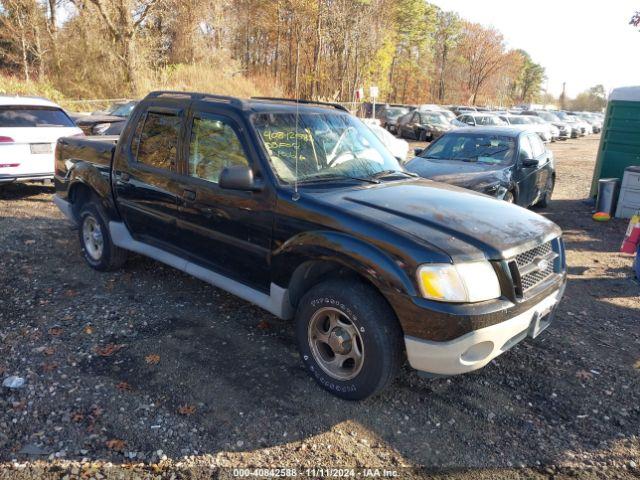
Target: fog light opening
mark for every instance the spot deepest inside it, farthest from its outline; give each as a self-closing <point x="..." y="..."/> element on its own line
<point x="477" y="352"/>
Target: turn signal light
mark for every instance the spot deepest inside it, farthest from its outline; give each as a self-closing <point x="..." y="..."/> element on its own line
<point x="6" y="140"/>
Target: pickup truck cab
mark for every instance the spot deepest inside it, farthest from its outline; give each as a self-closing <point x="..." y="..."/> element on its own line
<point x="298" y="208"/>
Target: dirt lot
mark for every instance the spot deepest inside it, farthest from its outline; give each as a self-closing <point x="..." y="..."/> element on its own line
<point x="149" y="372"/>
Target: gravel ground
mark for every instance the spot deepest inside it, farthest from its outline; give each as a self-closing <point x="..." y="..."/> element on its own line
<point x="147" y="372"/>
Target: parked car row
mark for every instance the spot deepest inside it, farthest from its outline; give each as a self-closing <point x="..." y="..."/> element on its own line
<point x="407" y="121"/>
<point x="498" y="152"/>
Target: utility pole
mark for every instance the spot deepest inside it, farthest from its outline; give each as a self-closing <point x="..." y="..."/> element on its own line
<point x="563" y="96"/>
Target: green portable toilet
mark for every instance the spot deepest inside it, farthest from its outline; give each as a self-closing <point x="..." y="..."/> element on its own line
<point x="620" y="140"/>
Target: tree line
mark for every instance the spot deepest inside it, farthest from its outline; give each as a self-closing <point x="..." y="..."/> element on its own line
<point x="319" y="49"/>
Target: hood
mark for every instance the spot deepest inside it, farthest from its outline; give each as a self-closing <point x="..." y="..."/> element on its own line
<point x="461" y="174"/>
<point x="463" y="224"/>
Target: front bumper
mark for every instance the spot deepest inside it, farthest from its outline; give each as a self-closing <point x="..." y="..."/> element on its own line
<point x="477" y="348"/>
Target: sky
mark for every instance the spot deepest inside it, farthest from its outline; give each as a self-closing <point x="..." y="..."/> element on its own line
<point x="580" y="42"/>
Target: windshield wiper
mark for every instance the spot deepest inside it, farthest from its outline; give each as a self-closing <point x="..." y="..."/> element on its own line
<point x="388" y="173"/>
<point x="333" y="176"/>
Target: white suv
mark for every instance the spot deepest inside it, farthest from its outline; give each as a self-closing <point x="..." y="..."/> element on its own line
<point x="29" y="130"/>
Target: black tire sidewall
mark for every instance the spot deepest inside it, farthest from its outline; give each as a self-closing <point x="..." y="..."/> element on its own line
<point x="377" y="348"/>
<point x="513" y="197"/>
<point x="103" y="263"/>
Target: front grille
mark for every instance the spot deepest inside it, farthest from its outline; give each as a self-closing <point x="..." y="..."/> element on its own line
<point x="533" y="267"/>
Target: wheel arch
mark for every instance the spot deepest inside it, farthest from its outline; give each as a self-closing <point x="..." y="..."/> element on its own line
<point x="86" y="183"/>
<point x="311" y="258"/>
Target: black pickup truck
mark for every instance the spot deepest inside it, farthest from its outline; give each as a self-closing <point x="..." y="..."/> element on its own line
<point x="298" y="208"/>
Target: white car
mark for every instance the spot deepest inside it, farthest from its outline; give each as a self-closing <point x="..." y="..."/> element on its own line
<point x="398" y="147"/>
<point x="29" y="130"/>
<point x="527" y="122"/>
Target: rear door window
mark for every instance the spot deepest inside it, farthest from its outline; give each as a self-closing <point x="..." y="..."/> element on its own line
<point x="158" y="141"/>
<point x="14" y="116"/>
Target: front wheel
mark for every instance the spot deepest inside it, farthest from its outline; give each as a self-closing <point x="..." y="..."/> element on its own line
<point x="97" y="247"/>
<point x="349" y="338"/>
<point x="509" y="197"/>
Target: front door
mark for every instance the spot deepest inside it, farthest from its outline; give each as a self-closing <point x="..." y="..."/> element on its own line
<point x="226" y="230"/>
<point x="145" y="176"/>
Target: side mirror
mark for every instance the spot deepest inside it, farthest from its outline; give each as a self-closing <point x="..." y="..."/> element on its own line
<point x="238" y="177"/>
<point x="470" y="122"/>
<point x="418" y="151"/>
<point x="530" y="162"/>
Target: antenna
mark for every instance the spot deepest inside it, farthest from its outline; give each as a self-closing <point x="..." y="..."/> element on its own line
<point x="296" y="195"/>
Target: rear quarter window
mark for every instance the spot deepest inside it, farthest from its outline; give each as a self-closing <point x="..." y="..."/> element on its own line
<point x="15" y="116"/>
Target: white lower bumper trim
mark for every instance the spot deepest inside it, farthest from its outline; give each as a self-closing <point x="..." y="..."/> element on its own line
<point x="475" y="349"/>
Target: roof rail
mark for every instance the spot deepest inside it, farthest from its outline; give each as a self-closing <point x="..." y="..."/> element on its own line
<point x="306" y="102"/>
<point x="206" y="97"/>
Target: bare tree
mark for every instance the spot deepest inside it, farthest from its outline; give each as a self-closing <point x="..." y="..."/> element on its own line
<point x="21" y="27"/>
<point x="124" y="19"/>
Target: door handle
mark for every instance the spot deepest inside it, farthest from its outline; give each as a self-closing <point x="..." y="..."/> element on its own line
<point x="189" y="195"/>
<point x="207" y="212"/>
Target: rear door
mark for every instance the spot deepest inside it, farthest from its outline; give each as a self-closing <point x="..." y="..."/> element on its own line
<point x="527" y="177"/>
<point x="541" y="154"/>
<point x="145" y="174"/>
<point x="28" y="135"/>
<point x="225" y="230"/>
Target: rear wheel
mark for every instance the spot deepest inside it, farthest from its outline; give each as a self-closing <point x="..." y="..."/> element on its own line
<point x="97" y="247"/>
<point x="546" y="197"/>
<point x="349" y="338"/>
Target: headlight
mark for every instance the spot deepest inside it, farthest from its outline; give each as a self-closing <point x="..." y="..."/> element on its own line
<point x="100" y="128"/>
<point x="460" y="283"/>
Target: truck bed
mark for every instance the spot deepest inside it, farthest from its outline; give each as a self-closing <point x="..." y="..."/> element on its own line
<point x="95" y="149"/>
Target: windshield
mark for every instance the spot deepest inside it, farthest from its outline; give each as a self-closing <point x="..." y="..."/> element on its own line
<point x="123" y="110"/>
<point x="549" y="117"/>
<point x="519" y="120"/>
<point x="433" y="118"/>
<point x="396" y="112"/>
<point x="28" y="116"/>
<point x="489" y="120"/>
<point x="327" y="146"/>
<point x="470" y="147"/>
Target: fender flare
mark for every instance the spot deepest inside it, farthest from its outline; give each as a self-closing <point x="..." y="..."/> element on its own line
<point x="367" y="260"/>
<point x="87" y="175"/>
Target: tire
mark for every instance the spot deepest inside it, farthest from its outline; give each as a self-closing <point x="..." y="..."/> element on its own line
<point x="353" y="317"/>
<point x="510" y="197"/>
<point x="97" y="247"/>
<point x="546" y="198"/>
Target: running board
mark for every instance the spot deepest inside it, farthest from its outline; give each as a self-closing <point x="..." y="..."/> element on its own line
<point x="277" y="302"/>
